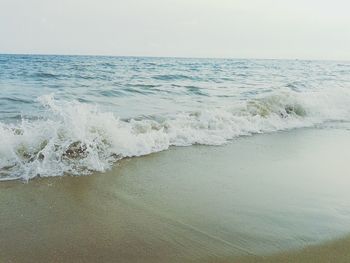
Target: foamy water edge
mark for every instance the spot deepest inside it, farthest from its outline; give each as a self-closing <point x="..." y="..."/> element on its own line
<point x="78" y="138"/>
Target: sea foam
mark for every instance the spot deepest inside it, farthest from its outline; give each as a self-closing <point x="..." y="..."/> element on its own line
<point x="77" y="138"/>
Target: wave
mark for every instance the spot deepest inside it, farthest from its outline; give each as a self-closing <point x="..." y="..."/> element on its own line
<point x="79" y="138"/>
<point x="174" y="77"/>
<point x="15" y="100"/>
<point x="45" y="75"/>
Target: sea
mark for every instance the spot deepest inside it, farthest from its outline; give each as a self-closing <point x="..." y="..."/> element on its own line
<point x="76" y="115"/>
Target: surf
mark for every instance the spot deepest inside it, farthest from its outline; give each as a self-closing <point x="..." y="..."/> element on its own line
<point x="79" y="138"/>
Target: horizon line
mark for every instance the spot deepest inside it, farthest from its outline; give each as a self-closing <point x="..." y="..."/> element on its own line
<point x="171" y="57"/>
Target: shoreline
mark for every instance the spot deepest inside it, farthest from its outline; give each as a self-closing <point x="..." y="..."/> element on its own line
<point x="243" y="202"/>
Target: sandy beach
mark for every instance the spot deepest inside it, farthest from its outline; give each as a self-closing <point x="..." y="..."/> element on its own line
<point x="336" y="251"/>
<point x="280" y="197"/>
<point x="174" y="131"/>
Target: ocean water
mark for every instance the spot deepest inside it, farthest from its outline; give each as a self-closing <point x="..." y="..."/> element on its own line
<point x="79" y="114"/>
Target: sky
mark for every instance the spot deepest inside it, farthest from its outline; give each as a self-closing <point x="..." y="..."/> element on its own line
<point x="294" y="29"/>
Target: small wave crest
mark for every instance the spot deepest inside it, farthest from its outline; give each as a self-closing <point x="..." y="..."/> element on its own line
<point x="78" y="138"/>
<point x="173" y="77"/>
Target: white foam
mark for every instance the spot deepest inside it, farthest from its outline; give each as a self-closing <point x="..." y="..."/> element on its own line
<point x="78" y="138"/>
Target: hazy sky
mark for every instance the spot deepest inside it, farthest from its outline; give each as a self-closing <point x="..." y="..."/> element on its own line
<point x="311" y="29"/>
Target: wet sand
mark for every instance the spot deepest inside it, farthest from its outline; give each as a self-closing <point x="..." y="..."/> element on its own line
<point x="257" y="199"/>
<point x="336" y="251"/>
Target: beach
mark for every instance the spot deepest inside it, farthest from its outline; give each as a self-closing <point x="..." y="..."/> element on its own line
<point x="273" y="197"/>
<point x="174" y="131"/>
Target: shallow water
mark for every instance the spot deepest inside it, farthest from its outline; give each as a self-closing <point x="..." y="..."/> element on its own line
<point x="255" y="196"/>
<point x="78" y="114"/>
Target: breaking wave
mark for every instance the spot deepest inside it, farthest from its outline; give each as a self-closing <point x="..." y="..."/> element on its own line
<point x="78" y="138"/>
